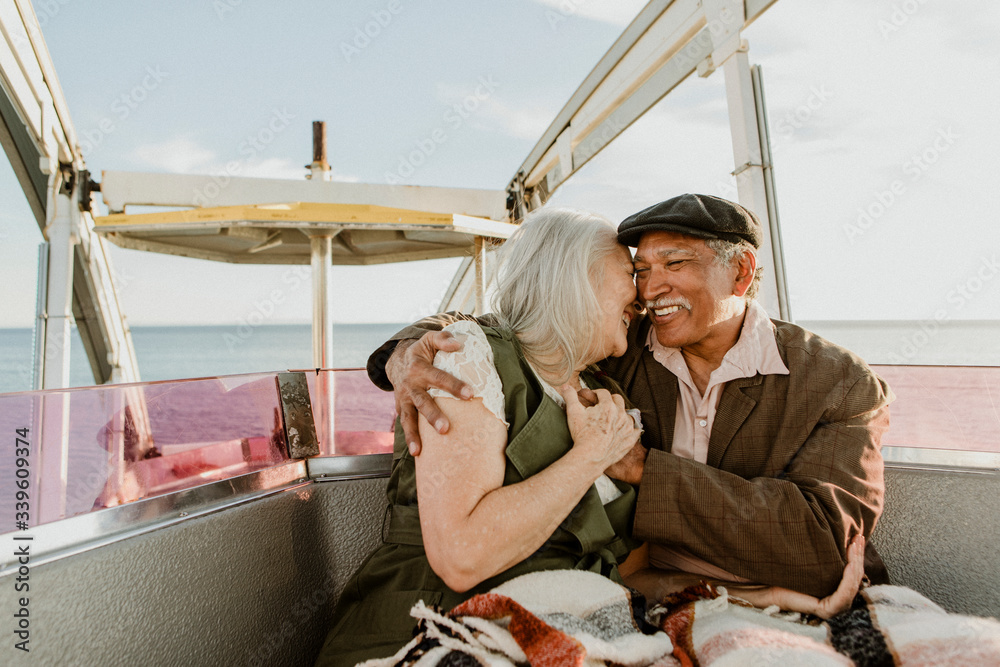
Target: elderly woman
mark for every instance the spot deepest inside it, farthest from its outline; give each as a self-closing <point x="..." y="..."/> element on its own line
<point x="517" y="484"/>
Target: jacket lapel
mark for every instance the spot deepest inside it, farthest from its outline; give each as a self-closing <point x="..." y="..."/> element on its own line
<point x="663" y="390"/>
<point x="738" y="399"/>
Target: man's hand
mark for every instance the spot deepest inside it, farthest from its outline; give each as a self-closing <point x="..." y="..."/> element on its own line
<point x="411" y="371"/>
<point x="629" y="468"/>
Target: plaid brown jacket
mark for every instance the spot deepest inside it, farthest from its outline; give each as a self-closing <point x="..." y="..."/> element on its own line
<point x="794" y="467"/>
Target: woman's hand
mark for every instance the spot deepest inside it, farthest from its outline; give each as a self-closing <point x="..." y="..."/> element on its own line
<point x="602" y="433"/>
<point x="827" y="607"/>
<point x="657" y="584"/>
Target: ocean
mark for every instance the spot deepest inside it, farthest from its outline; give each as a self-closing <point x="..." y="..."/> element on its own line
<point x="946" y="375"/>
<point x="175" y="352"/>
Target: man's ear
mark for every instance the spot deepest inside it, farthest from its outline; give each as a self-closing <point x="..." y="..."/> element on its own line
<point x="746" y="268"/>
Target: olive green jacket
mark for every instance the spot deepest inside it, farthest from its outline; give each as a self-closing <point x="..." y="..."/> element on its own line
<point x="372" y="618"/>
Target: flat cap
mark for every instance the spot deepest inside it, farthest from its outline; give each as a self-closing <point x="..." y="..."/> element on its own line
<point x="703" y="216"/>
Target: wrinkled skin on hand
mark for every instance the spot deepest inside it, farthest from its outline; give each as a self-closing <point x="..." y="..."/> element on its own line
<point x="411" y="371"/>
<point x="629" y="468"/>
<point x="604" y="431"/>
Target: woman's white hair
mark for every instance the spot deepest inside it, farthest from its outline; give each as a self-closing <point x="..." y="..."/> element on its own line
<point x="550" y="271"/>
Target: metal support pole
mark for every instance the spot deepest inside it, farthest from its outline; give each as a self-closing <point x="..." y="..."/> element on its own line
<point x="322" y="337"/>
<point x="749" y="172"/>
<point x="41" y="316"/>
<point x="480" y="269"/>
<point x="54" y="436"/>
<point x="322" y="321"/>
<point x="778" y="252"/>
<point x="59" y="294"/>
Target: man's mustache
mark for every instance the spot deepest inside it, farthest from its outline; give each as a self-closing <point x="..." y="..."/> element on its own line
<point x="665" y="302"/>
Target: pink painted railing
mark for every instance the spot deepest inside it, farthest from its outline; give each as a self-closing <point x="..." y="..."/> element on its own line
<point x="944" y="407"/>
<point x="77" y="450"/>
<point x="364" y="415"/>
<point x="84" y="449"/>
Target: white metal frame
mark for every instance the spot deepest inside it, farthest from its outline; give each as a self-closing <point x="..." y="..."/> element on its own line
<point x="666" y="43"/>
<point x="122" y="189"/>
<point x="40" y="142"/>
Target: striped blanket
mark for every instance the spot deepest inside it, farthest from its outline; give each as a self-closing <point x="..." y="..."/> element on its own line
<point x="559" y="618"/>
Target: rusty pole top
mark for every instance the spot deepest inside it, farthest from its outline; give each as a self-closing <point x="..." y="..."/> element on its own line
<point x="320" y="168"/>
<point x="319" y="141"/>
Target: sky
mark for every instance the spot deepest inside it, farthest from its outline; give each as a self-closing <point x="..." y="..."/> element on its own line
<point x="881" y="113"/>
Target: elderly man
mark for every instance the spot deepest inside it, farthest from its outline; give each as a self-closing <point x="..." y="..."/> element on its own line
<point x="760" y="458"/>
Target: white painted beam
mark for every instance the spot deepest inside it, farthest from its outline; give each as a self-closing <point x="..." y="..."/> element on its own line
<point x="665" y="43"/>
<point x="121" y="189"/>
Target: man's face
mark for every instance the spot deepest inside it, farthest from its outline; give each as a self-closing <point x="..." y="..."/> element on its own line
<point x="687" y="292"/>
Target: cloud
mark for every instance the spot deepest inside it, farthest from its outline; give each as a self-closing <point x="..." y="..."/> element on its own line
<point x="180" y="155"/>
<point x="487" y="111"/>
<point x="521" y="123"/>
<point x="618" y="13"/>
<point x="274" y="168"/>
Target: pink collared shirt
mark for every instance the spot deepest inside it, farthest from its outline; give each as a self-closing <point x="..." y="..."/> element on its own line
<point x="755" y="352"/>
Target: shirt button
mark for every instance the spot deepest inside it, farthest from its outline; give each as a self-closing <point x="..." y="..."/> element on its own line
<point x="703" y="422"/>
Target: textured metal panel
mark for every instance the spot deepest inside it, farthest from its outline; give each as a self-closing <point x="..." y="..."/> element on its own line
<point x="254" y="585"/>
<point x="349" y="521"/>
<point x="75" y="535"/>
<point x="257" y="584"/>
<point x="939" y="536"/>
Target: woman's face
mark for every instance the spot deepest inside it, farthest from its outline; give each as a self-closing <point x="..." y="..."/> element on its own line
<point x="616" y="295"/>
